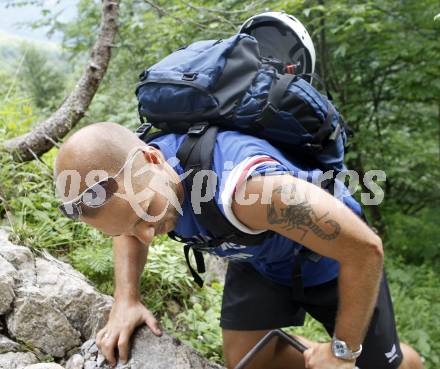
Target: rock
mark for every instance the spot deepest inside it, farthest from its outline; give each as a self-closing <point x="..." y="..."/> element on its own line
<point x="151" y="352"/>
<point x="51" y="308"/>
<point x="7" y="345"/>
<point x="86" y="309"/>
<point x="17" y="360"/>
<point x="20" y="257"/>
<point x="44" y="366"/>
<point x="75" y="362"/>
<point x="89" y="346"/>
<point x="8" y="274"/>
<point x="37" y="321"/>
<point x="90" y="365"/>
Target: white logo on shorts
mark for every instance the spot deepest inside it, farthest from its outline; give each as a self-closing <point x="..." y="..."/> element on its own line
<point x="392" y="355"/>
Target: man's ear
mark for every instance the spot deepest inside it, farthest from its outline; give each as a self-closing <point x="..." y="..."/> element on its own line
<point x="152" y="155"/>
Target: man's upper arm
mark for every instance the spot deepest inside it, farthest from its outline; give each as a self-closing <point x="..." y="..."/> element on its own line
<point x="303" y="212"/>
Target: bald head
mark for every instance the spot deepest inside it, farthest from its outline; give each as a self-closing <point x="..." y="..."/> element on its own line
<point x="101" y="150"/>
<point x="97" y="147"/>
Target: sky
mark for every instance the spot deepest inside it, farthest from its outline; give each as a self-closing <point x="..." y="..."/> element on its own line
<point x="11" y="17"/>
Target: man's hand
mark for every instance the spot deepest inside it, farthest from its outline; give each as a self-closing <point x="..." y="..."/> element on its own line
<point x="130" y="255"/>
<point x="320" y="356"/>
<point x="124" y="318"/>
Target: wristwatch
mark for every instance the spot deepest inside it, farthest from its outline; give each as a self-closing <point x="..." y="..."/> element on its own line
<point x="341" y="350"/>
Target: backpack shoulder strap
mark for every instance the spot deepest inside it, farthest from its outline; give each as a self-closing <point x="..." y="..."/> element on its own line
<point x="196" y="154"/>
<point x="279" y="86"/>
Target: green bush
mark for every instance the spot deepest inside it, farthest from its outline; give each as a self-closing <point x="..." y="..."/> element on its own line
<point x="416" y="297"/>
<point x="198" y="324"/>
<point x="415" y="238"/>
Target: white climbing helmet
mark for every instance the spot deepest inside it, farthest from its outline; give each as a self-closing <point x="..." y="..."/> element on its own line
<point x="283" y="37"/>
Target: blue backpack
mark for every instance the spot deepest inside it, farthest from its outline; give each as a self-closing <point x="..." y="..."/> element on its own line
<point x="225" y="84"/>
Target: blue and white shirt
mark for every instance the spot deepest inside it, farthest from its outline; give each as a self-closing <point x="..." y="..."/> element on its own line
<point x="236" y="157"/>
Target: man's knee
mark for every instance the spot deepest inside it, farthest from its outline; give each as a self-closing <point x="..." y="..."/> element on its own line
<point x="411" y="359"/>
<point x="275" y="355"/>
<point x="236" y="344"/>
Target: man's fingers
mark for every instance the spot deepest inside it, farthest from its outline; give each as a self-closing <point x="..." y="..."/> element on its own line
<point x="306" y="342"/>
<point x="307" y="356"/>
<point x="153" y="324"/>
<point x="310" y="354"/>
<point x="123" y="347"/>
<point x="108" y="346"/>
<point x="99" y="337"/>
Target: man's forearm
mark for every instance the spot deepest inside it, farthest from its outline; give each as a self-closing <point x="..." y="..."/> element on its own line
<point x="130" y="256"/>
<point x="358" y="289"/>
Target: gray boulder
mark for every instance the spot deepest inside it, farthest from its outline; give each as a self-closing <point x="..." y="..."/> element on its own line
<point x="8" y="274"/>
<point x="75" y="362"/>
<point x="20" y="257"/>
<point x="51" y="309"/>
<point x="7" y="345"/>
<point x="51" y="297"/>
<point x="86" y="309"/>
<point x="44" y="366"/>
<point x="150" y="352"/>
<point x="17" y="360"/>
<point x="37" y="321"/>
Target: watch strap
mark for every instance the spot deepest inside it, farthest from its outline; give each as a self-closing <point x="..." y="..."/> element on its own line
<point x="341" y="350"/>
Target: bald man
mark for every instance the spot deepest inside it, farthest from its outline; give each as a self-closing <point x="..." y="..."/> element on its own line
<point x="110" y="179"/>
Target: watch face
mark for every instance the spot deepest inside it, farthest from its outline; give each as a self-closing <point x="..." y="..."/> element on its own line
<point x="339" y="348"/>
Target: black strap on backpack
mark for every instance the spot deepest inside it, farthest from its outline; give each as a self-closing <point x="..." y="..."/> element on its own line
<point x="196" y="154"/>
<point x="278" y="88"/>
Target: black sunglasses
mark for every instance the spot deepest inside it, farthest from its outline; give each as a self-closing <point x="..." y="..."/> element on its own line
<point x="94" y="196"/>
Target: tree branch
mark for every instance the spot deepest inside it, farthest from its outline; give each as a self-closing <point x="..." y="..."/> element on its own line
<point x="50" y="131"/>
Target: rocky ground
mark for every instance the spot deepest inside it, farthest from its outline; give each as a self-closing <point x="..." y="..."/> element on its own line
<point x="49" y="315"/>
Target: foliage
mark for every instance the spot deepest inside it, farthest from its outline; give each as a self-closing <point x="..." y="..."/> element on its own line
<point x="416" y="297"/>
<point x="198" y="322"/>
<point x="380" y="60"/>
<point x="416" y="238"/>
<point x="44" y="82"/>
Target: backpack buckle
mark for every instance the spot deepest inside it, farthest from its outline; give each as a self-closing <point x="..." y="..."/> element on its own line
<point x="142" y="130"/>
<point x="267" y="114"/>
<point x="198" y="129"/>
<point x="189" y="76"/>
<point x="335" y="134"/>
<point x="314" y="146"/>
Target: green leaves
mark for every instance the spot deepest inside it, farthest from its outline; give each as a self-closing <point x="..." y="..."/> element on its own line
<point x="416" y="298"/>
<point x="199" y="323"/>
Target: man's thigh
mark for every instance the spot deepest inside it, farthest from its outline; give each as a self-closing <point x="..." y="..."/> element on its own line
<point x="275" y="355"/>
<point x="252" y="302"/>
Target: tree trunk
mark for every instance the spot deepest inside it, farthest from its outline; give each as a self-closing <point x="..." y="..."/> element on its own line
<point x="50" y="131"/>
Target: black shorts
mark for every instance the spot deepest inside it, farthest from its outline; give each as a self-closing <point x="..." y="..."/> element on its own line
<point x="253" y="302"/>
